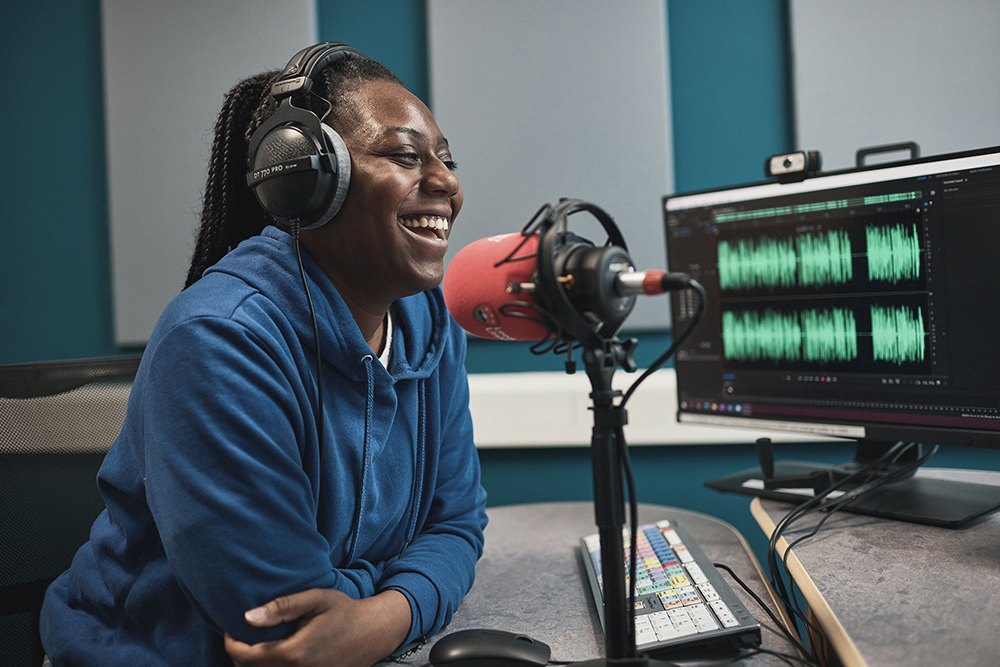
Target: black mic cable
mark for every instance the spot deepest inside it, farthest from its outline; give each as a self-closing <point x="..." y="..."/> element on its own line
<point x="689" y="283"/>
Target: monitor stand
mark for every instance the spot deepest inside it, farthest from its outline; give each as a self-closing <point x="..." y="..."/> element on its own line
<point x="933" y="501"/>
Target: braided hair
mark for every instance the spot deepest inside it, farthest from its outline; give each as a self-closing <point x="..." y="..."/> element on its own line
<point x="230" y="210"/>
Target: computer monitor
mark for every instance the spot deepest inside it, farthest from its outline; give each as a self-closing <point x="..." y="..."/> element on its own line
<point x="861" y="304"/>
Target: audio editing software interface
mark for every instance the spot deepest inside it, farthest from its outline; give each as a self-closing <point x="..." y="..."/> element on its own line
<point x="838" y="299"/>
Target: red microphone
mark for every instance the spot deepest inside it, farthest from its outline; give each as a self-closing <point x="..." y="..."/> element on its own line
<point x="485" y="299"/>
<point x="489" y="283"/>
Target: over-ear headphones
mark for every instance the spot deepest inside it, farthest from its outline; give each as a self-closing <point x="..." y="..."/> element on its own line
<point x="299" y="166"/>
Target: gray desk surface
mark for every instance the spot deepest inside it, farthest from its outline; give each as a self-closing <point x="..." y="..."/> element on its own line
<point x="894" y="593"/>
<point x="529" y="579"/>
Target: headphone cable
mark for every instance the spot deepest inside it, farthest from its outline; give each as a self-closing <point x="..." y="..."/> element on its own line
<point x="319" y="356"/>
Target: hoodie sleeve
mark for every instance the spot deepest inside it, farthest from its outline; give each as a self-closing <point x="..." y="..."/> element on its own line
<point x="437" y="569"/>
<point x="226" y="478"/>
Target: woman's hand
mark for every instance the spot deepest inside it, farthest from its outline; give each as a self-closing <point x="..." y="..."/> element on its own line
<point x="333" y="630"/>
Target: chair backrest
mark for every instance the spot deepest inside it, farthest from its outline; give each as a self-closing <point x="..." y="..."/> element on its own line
<point x="57" y="421"/>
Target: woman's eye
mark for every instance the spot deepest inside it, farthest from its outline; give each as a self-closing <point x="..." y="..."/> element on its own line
<point x="407" y="157"/>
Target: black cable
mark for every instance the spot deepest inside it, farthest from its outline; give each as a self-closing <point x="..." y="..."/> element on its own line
<point x="786" y="595"/>
<point x="874" y="480"/>
<point x="319" y="356"/>
<point x="784" y="657"/>
<point x="633" y="503"/>
<point x="780" y="625"/>
<point x="816" y="503"/>
<point x="678" y="342"/>
<point x="873" y="476"/>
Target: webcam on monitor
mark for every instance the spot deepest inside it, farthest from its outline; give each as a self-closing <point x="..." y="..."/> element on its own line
<point x="790" y="167"/>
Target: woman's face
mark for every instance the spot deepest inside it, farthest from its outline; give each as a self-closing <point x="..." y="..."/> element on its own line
<point x="390" y="236"/>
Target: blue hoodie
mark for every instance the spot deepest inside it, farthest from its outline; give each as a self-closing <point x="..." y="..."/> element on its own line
<point x="218" y="498"/>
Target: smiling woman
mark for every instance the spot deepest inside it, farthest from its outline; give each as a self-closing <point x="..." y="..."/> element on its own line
<point x="252" y="514"/>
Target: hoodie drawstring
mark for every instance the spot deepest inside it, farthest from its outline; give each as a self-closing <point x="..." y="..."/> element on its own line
<point x="416" y="491"/>
<point x="365" y="453"/>
<point x="419" y="459"/>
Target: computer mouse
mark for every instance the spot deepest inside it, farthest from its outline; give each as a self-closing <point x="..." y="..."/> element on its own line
<point x="488" y="648"/>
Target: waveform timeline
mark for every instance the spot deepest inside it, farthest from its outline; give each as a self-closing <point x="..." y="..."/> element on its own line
<point x="846" y="296"/>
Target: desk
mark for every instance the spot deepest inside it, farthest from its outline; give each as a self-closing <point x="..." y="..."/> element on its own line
<point x="893" y="593"/>
<point x="529" y="578"/>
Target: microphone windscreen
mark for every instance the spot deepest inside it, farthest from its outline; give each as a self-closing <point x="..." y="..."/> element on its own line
<point x="475" y="290"/>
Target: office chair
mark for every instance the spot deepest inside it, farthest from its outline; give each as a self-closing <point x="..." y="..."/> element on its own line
<point x="57" y="420"/>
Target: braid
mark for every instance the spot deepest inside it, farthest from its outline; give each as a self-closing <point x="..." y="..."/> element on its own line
<point x="230" y="212"/>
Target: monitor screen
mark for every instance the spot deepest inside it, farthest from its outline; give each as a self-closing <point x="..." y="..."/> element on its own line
<point x="860" y="303"/>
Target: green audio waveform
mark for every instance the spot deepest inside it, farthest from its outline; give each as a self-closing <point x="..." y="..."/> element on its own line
<point x="764" y="262"/>
<point x="829" y="335"/>
<point x="810" y="260"/>
<point x="815" y="335"/>
<point x="898" y="334"/>
<point x="756" y="336"/>
<point x="893" y="253"/>
<point x="894" y="197"/>
<point x="756" y="214"/>
<point x="825" y="258"/>
<point x="813" y="207"/>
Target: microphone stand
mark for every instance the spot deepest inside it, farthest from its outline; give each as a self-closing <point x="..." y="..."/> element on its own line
<point x="607" y="449"/>
<point x="568" y="264"/>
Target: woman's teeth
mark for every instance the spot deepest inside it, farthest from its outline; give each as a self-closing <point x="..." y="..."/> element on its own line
<point x="431" y="221"/>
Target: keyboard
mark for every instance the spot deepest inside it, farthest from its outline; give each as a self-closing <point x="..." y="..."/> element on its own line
<point x="681" y="599"/>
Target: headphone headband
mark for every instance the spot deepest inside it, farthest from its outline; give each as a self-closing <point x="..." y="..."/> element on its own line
<point x="297" y="77"/>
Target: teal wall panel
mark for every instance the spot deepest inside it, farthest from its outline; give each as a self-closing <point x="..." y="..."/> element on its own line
<point x="55" y="300"/>
<point x="394" y="32"/>
<point x="730" y="78"/>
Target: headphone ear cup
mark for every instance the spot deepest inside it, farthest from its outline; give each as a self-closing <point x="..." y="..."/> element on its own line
<point x="312" y="190"/>
<point x="341" y="181"/>
<point x="300" y="169"/>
